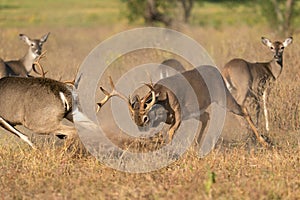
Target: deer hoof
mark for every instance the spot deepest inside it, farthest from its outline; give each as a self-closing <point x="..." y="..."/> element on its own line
<point x="266" y="141"/>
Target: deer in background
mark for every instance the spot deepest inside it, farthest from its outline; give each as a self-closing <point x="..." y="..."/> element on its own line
<point x="170" y="102"/>
<point x="174" y="64"/>
<point x="23" y="66"/>
<point x="252" y="80"/>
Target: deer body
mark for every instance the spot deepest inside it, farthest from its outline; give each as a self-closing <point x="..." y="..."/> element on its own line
<point x="39" y="104"/>
<point x="23" y="66"/>
<point x="245" y="79"/>
<point x="169" y="101"/>
<point x="177" y="100"/>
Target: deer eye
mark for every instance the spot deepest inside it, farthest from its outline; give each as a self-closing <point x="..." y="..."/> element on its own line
<point x="272" y="47"/>
<point x="282" y="47"/>
<point x="32" y="44"/>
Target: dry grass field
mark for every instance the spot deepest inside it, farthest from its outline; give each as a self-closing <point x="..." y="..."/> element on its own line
<point x="231" y="171"/>
<point x="235" y="169"/>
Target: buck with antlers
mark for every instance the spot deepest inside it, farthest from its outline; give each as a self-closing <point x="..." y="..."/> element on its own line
<point x="252" y="80"/>
<point x="23" y="66"/>
<point x="169" y="101"/>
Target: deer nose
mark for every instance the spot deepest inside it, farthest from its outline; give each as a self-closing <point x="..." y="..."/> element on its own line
<point x="38" y="52"/>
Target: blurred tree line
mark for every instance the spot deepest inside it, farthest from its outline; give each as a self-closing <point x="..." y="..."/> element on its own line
<point x="278" y="13"/>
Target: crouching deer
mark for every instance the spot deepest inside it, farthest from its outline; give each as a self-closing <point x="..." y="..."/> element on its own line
<point x="170" y="102"/>
<point x="39" y="104"/>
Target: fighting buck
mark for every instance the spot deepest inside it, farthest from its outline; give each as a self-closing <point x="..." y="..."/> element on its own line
<point x="169" y="101"/>
<point x="252" y="80"/>
<point x="23" y="66"/>
<point x="39" y="104"/>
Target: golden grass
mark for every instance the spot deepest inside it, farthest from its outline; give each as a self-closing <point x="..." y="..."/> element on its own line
<point x="236" y="171"/>
<point x="239" y="174"/>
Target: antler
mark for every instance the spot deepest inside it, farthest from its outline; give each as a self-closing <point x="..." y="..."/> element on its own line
<point x="143" y="101"/>
<point x="111" y="94"/>
<point x="72" y="82"/>
<point x="37" y="63"/>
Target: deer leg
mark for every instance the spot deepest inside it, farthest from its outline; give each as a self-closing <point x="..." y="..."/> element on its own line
<point x="172" y="130"/>
<point x="68" y="131"/>
<point x="13" y="130"/>
<point x="204" y="119"/>
<point x="265" y="110"/>
<point x="257" y="112"/>
<point x="260" y="138"/>
<point x="72" y="140"/>
<point x="176" y="124"/>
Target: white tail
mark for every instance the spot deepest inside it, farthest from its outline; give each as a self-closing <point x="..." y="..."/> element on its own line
<point x="245" y="79"/>
<point x="23" y="66"/>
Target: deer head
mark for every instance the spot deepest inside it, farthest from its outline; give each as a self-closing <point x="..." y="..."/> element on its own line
<point x="35" y="45"/>
<point x="145" y="112"/>
<point x="277" y="47"/>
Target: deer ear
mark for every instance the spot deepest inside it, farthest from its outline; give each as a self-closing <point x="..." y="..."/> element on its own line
<point x="25" y="38"/>
<point x="44" y="38"/>
<point x="287" y="41"/>
<point x="135" y="101"/>
<point x="266" y="41"/>
<point x="136" y="98"/>
<point x="162" y="96"/>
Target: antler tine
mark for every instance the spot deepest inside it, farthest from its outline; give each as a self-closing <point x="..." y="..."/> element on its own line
<point x="111" y="94"/>
<point x="111" y="83"/>
<point x="150" y="78"/>
<point x="43" y="55"/>
<point x="72" y="82"/>
<point x="37" y="63"/>
<point x="143" y="101"/>
<point x="150" y="86"/>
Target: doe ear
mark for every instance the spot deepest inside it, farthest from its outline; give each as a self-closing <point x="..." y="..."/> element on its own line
<point x="44" y="38"/>
<point x="25" y="38"/>
<point x="266" y="41"/>
<point x="287" y="41"/>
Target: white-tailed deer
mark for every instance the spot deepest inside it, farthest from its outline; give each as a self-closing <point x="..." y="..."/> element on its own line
<point x="252" y="80"/>
<point x="23" y="66"/>
<point x="39" y="104"/>
<point x="174" y="64"/>
<point x="162" y="105"/>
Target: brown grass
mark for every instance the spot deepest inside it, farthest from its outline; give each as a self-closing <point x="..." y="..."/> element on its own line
<point x="234" y="171"/>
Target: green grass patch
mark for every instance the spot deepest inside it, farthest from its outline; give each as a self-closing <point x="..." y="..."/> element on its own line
<point x="71" y="13"/>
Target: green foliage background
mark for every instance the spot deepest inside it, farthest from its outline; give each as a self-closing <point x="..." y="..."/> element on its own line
<point x="76" y="13"/>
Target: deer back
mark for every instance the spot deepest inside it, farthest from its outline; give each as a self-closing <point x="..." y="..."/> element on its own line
<point x="34" y="101"/>
<point x="14" y="68"/>
<point x="205" y="82"/>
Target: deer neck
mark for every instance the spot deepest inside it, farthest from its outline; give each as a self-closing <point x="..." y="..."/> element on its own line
<point x="28" y="60"/>
<point x="275" y="67"/>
